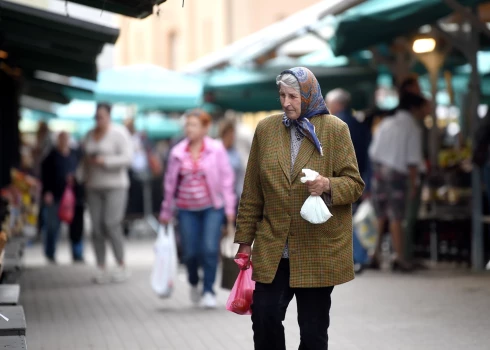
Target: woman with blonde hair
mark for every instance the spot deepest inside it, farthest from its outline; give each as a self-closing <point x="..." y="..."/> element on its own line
<point x="199" y="183"/>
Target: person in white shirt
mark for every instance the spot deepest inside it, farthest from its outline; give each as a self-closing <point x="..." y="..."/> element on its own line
<point x="396" y="155"/>
<point x="108" y="152"/>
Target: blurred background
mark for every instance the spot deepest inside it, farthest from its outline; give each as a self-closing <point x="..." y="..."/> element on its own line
<point x="155" y="60"/>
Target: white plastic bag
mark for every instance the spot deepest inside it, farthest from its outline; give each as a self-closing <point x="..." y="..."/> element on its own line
<point x="314" y="209"/>
<point x="164" y="271"/>
<point x="366" y="225"/>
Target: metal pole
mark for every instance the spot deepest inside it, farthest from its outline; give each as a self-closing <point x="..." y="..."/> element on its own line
<point x="477" y="239"/>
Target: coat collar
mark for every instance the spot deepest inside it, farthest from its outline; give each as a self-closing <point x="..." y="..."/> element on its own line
<point x="306" y="150"/>
<point x="181" y="147"/>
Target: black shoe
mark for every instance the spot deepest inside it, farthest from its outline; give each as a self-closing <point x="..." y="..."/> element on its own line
<point x="374" y="264"/>
<point x="358" y="268"/>
<point x="401" y="266"/>
<point x="80" y="260"/>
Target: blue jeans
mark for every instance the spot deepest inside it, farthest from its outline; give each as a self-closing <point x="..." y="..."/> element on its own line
<point x="201" y="233"/>
<point x="51" y="229"/>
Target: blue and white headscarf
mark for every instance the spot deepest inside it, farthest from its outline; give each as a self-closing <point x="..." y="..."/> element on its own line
<point x="312" y="104"/>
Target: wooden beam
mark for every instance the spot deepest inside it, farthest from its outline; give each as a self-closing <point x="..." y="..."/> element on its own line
<point x="456" y="40"/>
<point x="469" y="15"/>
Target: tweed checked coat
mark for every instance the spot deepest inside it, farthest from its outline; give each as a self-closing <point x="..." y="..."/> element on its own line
<point x="269" y="211"/>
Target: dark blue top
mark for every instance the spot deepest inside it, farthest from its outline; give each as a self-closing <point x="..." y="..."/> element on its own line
<point x="54" y="171"/>
<point x="361" y="138"/>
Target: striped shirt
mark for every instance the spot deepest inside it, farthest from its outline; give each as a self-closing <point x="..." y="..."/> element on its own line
<point x="192" y="192"/>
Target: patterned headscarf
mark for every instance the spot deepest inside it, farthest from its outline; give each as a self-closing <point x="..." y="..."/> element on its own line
<point x="312" y="104"/>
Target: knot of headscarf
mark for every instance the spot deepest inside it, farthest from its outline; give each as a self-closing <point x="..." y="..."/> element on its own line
<point x="312" y="104"/>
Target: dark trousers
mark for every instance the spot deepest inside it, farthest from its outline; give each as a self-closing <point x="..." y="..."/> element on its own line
<point x="76" y="233"/>
<point x="269" y="310"/>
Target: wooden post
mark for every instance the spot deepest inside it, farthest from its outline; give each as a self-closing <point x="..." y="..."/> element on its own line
<point x="469" y="46"/>
<point x="433" y="61"/>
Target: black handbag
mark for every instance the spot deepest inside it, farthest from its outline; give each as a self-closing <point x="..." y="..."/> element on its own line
<point x="229" y="268"/>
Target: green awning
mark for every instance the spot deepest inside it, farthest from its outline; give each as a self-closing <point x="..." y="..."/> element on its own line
<point x="324" y="57"/>
<point x="81" y="113"/>
<point x="54" y="92"/>
<point x="381" y="21"/>
<point x="130" y="8"/>
<point x="35" y="114"/>
<point x="256" y="90"/>
<point x="42" y="40"/>
<point x="149" y="87"/>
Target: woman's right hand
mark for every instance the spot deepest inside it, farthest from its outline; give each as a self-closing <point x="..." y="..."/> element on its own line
<point x="245" y="249"/>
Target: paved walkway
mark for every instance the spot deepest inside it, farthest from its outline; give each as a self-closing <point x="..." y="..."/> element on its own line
<point x="443" y="310"/>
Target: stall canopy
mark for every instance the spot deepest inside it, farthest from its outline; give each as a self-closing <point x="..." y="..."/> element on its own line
<point x="130" y="8"/>
<point x="255" y="90"/>
<point x="149" y="87"/>
<point x="54" y="92"/>
<point x="81" y="114"/>
<point x="380" y="21"/>
<point x="269" y="38"/>
<point x="37" y="40"/>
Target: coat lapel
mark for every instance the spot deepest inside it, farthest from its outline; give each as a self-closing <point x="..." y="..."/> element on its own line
<point x="306" y="150"/>
<point x="284" y="150"/>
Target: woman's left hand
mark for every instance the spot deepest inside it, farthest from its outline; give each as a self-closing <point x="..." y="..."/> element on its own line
<point x="318" y="186"/>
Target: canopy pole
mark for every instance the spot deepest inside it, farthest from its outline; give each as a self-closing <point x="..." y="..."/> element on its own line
<point x="433" y="62"/>
<point x="469" y="48"/>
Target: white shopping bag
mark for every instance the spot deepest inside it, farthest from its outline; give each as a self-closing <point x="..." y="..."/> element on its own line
<point x="366" y="225"/>
<point x="165" y="267"/>
<point x="314" y="209"/>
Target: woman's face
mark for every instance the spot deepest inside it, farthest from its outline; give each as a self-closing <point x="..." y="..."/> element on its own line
<point x="290" y="102"/>
<point x="103" y="118"/>
<point x="194" y="130"/>
<point x="228" y="138"/>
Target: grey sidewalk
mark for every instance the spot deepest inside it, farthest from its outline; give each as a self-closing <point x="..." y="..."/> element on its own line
<point x="377" y="311"/>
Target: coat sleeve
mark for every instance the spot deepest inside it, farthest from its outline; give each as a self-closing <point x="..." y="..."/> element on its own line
<point x="228" y="181"/>
<point x="48" y="175"/>
<point x="252" y="200"/>
<point x="346" y="185"/>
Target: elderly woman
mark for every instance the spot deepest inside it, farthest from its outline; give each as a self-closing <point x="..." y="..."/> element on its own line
<point x="292" y="257"/>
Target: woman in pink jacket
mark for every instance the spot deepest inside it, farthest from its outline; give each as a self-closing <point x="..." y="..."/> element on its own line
<point x="199" y="183"/>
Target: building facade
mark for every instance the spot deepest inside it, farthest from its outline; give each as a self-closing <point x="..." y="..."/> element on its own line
<point x="179" y="35"/>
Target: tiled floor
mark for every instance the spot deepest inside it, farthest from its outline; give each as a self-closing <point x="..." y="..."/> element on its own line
<point x="431" y="310"/>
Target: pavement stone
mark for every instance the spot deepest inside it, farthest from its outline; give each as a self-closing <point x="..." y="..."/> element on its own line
<point x="434" y="310"/>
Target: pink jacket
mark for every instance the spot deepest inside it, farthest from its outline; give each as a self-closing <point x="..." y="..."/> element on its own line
<point x="219" y="177"/>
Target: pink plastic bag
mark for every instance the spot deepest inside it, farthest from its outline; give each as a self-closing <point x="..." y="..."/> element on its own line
<point x="241" y="296"/>
<point x="66" y="211"/>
